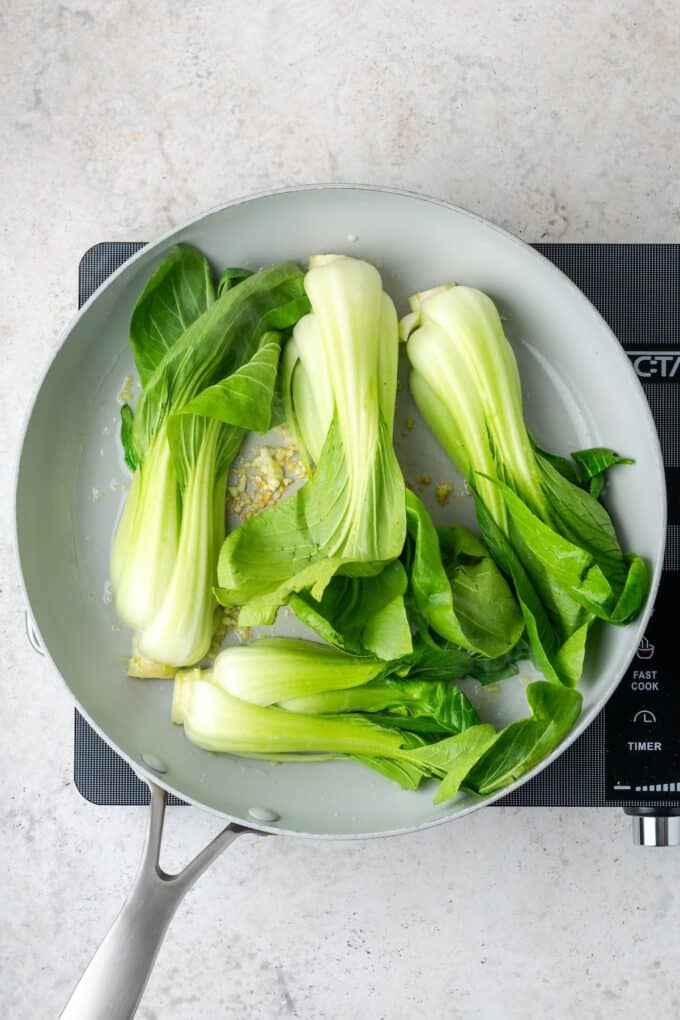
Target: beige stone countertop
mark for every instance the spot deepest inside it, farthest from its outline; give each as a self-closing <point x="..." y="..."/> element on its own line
<point x="558" y="120"/>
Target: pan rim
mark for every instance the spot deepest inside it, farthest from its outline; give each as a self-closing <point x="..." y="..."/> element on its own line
<point x="617" y="351"/>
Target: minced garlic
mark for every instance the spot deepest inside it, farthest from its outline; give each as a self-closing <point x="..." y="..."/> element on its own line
<point x="262" y="480"/>
<point x="125" y="392"/>
<point x="228" y="620"/>
<point x="442" y="492"/>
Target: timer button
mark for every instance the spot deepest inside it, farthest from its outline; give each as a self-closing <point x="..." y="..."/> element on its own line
<point x="644" y="716"/>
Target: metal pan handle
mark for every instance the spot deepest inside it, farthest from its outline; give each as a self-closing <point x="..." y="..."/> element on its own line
<point x="112" y="985"/>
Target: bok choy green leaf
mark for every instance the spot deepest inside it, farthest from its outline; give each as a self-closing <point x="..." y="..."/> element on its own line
<point x="179" y="291"/>
<point x="420" y="706"/>
<point x="456" y="588"/>
<point x="525" y="743"/>
<point x="446" y="586"/>
<point x="361" y="614"/>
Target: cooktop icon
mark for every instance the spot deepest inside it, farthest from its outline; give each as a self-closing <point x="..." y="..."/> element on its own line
<point x="644" y="716"/>
<point x="645" y="649"/>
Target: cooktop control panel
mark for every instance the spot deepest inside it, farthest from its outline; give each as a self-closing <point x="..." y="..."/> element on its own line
<point x="642" y="751"/>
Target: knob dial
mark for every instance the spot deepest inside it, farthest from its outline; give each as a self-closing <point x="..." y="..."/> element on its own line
<point x="654" y="826"/>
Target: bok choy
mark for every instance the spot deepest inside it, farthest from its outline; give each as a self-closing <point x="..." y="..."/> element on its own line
<point x="404" y="609"/>
<point x="541" y="521"/>
<point x="208" y="369"/>
<point x="315" y="679"/>
<point x="280" y="707"/>
<point x="339" y="385"/>
<point x="446" y="587"/>
<point x="217" y="721"/>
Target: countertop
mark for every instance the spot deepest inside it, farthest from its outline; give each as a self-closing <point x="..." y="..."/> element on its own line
<point x="560" y="121"/>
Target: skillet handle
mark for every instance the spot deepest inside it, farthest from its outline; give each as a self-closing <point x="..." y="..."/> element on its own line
<point x="112" y="985"/>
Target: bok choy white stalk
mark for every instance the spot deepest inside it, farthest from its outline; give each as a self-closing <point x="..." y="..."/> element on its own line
<point x="217" y="721"/>
<point x="272" y="669"/>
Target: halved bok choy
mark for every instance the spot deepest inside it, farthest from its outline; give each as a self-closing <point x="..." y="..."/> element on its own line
<point x="208" y="369"/>
<point x="289" y="700"/>
<point x="539" y="514"/>
<point x="339" y="379"/>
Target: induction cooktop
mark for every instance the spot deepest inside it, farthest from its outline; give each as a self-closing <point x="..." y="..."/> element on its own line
<point x="629" y="757"/>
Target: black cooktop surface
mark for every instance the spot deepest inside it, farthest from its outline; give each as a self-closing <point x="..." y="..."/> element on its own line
<point x="630" y="754"/>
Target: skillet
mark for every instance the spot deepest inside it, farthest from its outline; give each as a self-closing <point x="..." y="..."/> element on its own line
<point x="579" y="391"/>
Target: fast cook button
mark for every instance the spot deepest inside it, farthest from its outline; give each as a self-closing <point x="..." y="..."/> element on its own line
<point x="644" y="680"/>
<point x="644" y="745"/>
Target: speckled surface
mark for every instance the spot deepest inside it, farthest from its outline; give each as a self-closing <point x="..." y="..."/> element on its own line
<point x="558" y="120"/>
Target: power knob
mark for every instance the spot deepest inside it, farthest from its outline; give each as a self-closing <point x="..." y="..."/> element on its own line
<point x="655" y="826"/>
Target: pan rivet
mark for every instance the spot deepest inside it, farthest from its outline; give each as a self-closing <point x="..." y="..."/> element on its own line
<point x="263" y="814"/>
<point x="154" y="762"/>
